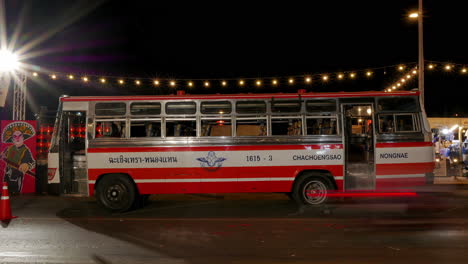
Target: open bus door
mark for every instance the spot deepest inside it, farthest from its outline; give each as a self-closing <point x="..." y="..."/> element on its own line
<point x="72" y="153"/>
<point x="67" y="166"/>
<point x="358" y="136"/>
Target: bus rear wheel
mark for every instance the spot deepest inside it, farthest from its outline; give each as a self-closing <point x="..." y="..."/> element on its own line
<point x="116" y="193"/>
<point x="311" y="190"/>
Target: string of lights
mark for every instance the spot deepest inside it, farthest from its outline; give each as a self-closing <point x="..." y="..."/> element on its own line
<point x="305" y="79"/>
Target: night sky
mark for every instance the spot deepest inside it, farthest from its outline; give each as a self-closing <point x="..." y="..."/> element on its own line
<point x="237" y="40"/>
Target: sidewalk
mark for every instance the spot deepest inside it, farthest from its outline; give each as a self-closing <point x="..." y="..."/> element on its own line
<point x="450" y="180"/>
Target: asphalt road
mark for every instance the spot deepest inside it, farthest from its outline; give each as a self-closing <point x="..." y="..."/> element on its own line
<point x="240" y="228"/>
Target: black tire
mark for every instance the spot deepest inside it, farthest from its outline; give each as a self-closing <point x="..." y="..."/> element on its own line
<point x="116" y="193"/>
<point x="309" y="184"/>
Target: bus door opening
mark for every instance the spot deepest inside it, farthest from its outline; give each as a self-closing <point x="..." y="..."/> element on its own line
<point x="72" y="156"/>
<point x="359" y="146"/>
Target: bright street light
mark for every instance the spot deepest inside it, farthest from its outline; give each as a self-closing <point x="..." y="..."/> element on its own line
<point x="413" y="15"/>
<point x="8" y="61"/>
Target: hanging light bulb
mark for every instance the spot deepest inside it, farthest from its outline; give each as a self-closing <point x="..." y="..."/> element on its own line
<point x="448" y="67"/>
<point x="463" y="70"/>
<point x="35" y="74"/>
<point x="207" y="84"/>
<point x="103" y="80"/>
<point x="223" y="83"/>
<point x="121" y="81"/>
<point x="156" y="82"/>
<point x="308" y="79"/>
<point x="85" y="79"/>
<point x="352" y="75"/>
<point x="53" y="76"/>
<point x="241" y="82"/>
<point x="190" y="84"/>
<point x="137" y="82"/>
<point x="368" y="73"/>
<point x="340" y="76"/>
<point x="172" y="83"/>
<point x="71" y="77"/>
<point x="291" y="80"/>
<point x="274" y="82"/>
<point x="258" y="82"/>
<point x="431" y="66"/>
<point x="325" y="78"/>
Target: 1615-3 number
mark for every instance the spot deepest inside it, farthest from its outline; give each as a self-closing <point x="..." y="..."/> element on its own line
<point x="257" y="158"/>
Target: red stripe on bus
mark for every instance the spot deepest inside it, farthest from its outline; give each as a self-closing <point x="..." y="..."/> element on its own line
<point x="224" y="172"/>
<point x="215" y="148"/>
<point x="403" y="144"/>
<point x="404" y="168"/>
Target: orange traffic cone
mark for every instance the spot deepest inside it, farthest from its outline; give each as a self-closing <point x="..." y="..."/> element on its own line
<point x="5" y="209"/>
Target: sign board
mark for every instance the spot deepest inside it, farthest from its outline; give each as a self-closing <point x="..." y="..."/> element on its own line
<point x="18" y="155"/>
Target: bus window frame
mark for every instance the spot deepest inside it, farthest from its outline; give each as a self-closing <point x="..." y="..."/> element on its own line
<point x="196" y="102"/>
<point x="378" y="99"/>
<point x="110" y="120"/>
<point x="195" y="118"/>
<point x="160" y="119"/>
<point x="214" y="101"/>
<point x="250" y="117"/>
<point x="129" y="110"/>
<point x="274" y="113"/>
<point x="338" y="125"/>
<point x="330" y="113"/>
<point x="273" y="117"/>
<point x="415" y="120"/>
<point x="126" y="103"/>
<point x="211" y="117"/>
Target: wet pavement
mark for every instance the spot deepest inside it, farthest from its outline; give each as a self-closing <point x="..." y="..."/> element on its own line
<point x="240" y="228"/>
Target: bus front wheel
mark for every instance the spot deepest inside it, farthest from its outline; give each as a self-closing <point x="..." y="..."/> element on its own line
<point x="116" y="193"/>
<point x="311" y="190"/>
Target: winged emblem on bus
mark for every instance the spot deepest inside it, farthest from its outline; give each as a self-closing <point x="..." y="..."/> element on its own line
<point x="211" y="160"/>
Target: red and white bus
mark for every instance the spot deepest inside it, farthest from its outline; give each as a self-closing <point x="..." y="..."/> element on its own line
<point x="309" y="145"/>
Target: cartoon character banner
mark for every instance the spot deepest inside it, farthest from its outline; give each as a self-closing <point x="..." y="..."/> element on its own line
<point x="18" y="155"/>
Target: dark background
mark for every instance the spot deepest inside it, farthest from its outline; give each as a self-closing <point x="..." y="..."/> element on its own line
<point x="235" y="40"/>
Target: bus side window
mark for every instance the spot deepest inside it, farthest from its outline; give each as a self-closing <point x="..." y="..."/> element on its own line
<point x="321" y="126"/>
<point x="286" y="126"/>
<point x="181" y="128"/>
<point x="110" y="129"/>
<point x="394" y="123"/>
<point x="386" y="124"/>
<point x="405" y="123"/>
<point x="251" y="127"/>
<point x="145" y="128"/>
<point x="216" y="128"/>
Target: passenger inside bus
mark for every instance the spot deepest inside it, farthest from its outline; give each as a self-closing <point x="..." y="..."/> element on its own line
<point x="321" y="126"/>
<point x="110" y="129"/>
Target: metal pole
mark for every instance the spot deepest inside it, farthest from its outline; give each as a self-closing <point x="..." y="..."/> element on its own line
<point x="421" y="54"/>
<point x="19" y="97"/>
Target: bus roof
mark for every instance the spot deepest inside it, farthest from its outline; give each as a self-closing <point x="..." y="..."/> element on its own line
<point x="182" y="96"/>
